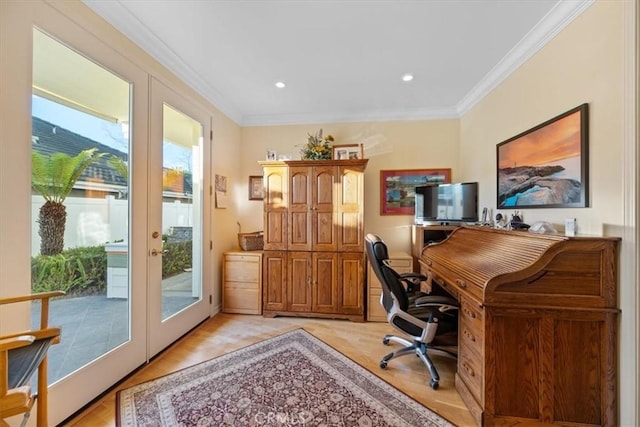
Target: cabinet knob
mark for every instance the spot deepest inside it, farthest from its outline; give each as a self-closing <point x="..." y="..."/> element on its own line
<point x="469" y="335"/>
<point x="468" y="369"/>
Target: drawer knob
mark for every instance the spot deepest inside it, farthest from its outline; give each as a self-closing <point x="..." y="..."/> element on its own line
<point x="469" y="335"/>
<point x="428" y="262"/>
<point x="461" y="283"/>
<point x="469" y="313"/>
<point x="468" y="369"/>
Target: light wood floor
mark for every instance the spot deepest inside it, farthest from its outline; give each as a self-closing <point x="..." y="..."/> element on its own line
<point x="359" y="341"/>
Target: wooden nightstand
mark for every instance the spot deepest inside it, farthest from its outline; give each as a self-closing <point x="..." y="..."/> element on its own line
<point x="242" y="282"/>
<point x="401" y="262"/>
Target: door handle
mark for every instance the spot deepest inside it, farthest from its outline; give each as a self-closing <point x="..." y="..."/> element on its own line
<point x="156" y="252"/>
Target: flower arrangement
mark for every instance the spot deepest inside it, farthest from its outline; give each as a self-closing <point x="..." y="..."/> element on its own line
<point x="317" y="147"/>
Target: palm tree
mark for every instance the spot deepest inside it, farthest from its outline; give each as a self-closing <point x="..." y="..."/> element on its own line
<point x="120" y="166"/>
<point x="54" y="177"/>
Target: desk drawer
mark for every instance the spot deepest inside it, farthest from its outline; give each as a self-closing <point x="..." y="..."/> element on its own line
<point x="375" y="311"/>
<point x="471" y="326"/>
<point x="428" y="284"/>
<point x="401" y="265"/>
<point x="243" y="298"/>
<point x="453" y="282"/>
<point x="470" y="370"/>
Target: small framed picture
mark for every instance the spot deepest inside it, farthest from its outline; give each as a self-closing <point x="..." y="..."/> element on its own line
<point x="271" y="155"/>
<point x="347" y="152"/>
<point x="256" y="191"/>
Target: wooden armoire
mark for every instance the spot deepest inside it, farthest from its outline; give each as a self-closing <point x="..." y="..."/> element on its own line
<point x="313" y="263"/>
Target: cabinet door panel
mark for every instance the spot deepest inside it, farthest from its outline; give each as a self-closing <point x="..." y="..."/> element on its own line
<point x="351" y="277"/>
<point x="299" y="283"/>
<point x="325" y="283"/>
<point x="299" y="234"/>
<point x="349" y="206"/>
<point x="324" y="224"/>
<point x="324" y="221"/>
<point x="275" y="226"/>
<point x="300" y="209"/>
<point x="275" y="207"/>
<point x="517" y="388"/>
<point x="275" y="280"/>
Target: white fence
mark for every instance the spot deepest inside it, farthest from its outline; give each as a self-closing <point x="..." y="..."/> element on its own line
<point x="92" y="222"/>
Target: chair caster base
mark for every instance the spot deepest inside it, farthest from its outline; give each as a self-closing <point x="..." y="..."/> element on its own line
<point x="385" y="360"/>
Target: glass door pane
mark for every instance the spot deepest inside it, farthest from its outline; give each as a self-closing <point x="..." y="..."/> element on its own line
<point x="178" y="299"/>
<point x="181" y="211"/>
<point x="80" y="202"/>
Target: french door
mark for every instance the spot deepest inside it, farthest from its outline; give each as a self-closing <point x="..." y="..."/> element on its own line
<point x="87" y="98"/>
<point x="140" y="210"/>
<point x="178" y="153"/>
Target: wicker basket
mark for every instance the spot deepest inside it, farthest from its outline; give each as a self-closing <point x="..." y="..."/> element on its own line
<point x="251" y="241"/>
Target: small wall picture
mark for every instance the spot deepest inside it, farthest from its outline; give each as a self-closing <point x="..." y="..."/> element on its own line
<point x="271" y="155"/>
<point x="347" y="152"/>
<point x="256" y="191"/>
<point x="221" y="192"/>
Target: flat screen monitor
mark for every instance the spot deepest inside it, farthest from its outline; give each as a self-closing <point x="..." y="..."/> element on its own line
<point x="444" y="203"/>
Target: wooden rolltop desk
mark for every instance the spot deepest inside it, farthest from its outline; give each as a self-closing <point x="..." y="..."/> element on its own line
<point x="537" y="331"/>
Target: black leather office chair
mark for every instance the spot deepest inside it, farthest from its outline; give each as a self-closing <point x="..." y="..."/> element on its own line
<point x="419" y="316"/>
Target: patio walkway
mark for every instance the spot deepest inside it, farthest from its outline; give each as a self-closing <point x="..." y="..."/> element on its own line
<point x="93" y="325"/>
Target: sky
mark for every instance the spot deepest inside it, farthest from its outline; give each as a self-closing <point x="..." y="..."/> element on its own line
<point x="103" y="131"/>
<point x="551" y="143"/>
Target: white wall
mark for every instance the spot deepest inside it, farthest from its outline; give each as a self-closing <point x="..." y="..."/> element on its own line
<point x="92" y="222"/>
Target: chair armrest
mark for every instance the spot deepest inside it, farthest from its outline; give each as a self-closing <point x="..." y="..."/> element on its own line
<point x="53" y="332"/>
<point x="413" y="276"/>
<point x="30" y="297"/>
<point x="412" y="281"/>
<point x="43" y="297"/>
<point x="443" y="303"/>
<point x="16" y="342"/>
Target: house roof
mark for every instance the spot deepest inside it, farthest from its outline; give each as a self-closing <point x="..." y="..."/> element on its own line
<point x="49" y="138"/>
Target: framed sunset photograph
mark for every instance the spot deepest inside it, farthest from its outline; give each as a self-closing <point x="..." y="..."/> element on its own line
<point x="546" y="166"/>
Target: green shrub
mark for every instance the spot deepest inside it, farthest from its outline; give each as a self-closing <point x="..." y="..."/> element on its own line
<point x="72" y="271"/>
<point x="75" y="270"/>
<point x="176" y="258"/>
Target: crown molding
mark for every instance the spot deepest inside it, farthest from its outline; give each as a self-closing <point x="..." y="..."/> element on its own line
<point x="348" y="117"/>
<point x="561" y="15"/>
<point x="115" y="12"/>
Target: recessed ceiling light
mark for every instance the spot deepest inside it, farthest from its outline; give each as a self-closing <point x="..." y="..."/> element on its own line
<point x="407" y="77"/>
<point x="280" y="85"/>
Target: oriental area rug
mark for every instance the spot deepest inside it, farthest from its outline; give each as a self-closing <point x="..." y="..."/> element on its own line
<point x="291" y="380"/>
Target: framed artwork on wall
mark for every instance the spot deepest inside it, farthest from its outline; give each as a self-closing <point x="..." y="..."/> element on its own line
<point x="256" y="190"/>
<point x="546" y="166"/>
<point x="397" y="188"/>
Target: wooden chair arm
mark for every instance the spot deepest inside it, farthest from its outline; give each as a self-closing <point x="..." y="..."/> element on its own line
<point x="44" y="309"/>
<point x="37" y="334"/>
<point x="30" y="297"/>
<point x="16" y="342"/>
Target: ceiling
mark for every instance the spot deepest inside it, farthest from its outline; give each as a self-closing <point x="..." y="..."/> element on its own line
<point x="342" y="61"/>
